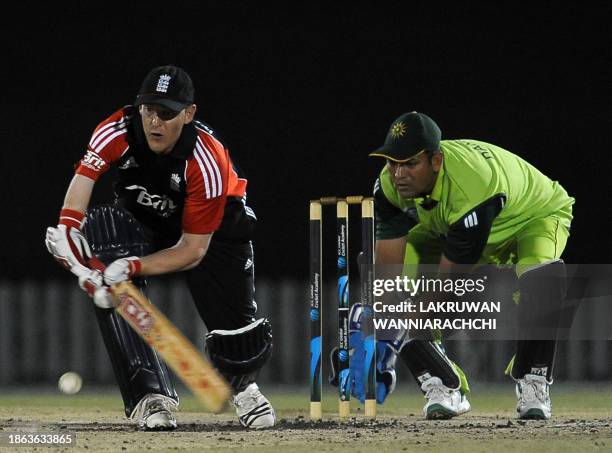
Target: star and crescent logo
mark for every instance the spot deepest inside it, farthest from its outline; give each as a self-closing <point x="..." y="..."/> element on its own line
<point x="398" y="130"/>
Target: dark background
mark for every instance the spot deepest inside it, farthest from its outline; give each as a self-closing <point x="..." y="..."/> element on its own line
<point x="301" y="95"/>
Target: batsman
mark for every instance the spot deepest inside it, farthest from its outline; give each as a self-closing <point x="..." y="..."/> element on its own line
<point x="180" y="205"/>
<point x="458" y="203"/>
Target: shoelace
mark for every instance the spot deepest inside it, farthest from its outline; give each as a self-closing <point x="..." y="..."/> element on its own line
<point x="531" y="390"/>
<point x="254" y="396"/>
<point x="434" y="392"/>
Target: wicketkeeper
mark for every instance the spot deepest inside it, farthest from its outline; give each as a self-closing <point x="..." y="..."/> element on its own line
<point x="466" y="202"/>
<point x="180" y="205"/>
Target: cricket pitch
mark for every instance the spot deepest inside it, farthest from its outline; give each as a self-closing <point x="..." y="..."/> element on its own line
<point x="581" y="421"/>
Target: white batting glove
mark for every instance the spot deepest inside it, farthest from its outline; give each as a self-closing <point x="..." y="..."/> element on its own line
<point x="103" y="297"/>
<point x="121" y="270"/>
<point x="91" y="281"/>
<point x="69" y="247"/>
<point x="67" y="244"/>
<point x="93" y="284"/>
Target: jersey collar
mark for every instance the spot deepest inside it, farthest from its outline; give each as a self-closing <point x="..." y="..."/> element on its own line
<point x="186" y="142"/>
<point x="436" y="193"/>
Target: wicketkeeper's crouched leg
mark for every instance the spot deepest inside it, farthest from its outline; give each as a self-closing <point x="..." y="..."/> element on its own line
<point x="542" y="292"/>
<point x="425" y="359"/>
<point x="442" y="381"/>
<point x="113" y="233"/>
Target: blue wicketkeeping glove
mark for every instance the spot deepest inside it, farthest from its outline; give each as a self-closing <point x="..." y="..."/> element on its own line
<point x="386" y="355"/>
<point x="361" y="352"/>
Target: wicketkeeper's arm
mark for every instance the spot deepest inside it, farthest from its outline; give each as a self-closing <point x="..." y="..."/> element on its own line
<point x="390" y="251"/>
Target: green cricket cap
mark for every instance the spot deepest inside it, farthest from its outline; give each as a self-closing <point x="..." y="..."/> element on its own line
<point x="409" y="135"/>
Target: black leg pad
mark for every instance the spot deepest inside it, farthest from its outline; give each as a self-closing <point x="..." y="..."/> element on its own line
<point x="240" y="354"/>
<point x="426" y="359"/>
<point x="114" y="233"/>
<point x="542" y="293"/>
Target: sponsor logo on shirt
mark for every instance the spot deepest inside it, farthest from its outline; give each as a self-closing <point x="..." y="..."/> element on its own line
<point x="163" y="205"/>
<point x="93" y="161"/>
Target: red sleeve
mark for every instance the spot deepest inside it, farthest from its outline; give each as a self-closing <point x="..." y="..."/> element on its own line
<point x="236" y="185"/>
<point x="108" y="143"/>
<point x="207" y="178"/>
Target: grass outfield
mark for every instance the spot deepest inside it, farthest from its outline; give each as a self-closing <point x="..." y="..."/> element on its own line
<point x="581" y="422"/>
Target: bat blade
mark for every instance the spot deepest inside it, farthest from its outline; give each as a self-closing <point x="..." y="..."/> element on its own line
<point x="178" y="352"/>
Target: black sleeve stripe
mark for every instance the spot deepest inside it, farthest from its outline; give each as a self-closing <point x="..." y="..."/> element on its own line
<point x="467" y="238"/>
<point x="391" y="221"/>
<point x="384" y="208"/>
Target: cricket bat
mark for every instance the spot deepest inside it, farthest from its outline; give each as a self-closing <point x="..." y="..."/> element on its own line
<point x="177" y="351"/>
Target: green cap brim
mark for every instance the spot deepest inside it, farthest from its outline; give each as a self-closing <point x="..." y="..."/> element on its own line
<point x="381" y="152"/>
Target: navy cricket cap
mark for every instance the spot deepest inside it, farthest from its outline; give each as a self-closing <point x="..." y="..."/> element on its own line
<point x="409" y="135"/>
<point x="169" y="86"/>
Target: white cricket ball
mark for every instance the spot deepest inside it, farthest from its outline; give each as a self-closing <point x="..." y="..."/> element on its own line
<point x="70" y="383"/>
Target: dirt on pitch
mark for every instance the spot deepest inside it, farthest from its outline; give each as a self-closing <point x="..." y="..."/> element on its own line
<point x="296" y="434"/>
<point x="104" y="429"/>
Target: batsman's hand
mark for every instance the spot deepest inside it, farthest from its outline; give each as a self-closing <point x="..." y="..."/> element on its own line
<point x="121" y="270"/>
<point x="69" y="247"/>
<point x="93" y="284"/>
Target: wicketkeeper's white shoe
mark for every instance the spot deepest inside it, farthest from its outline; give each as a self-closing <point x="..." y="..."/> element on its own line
<point x="533" y="398"/>
<point x="442" y="402"/>
<point x="253" y="409"/>
<point x="154" y="413"/>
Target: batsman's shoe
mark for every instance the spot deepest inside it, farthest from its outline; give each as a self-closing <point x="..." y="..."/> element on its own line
<point x="154" y="413"/>
<point x="442" y="402"/>
<point x="253" y="409"/>
<point x="533" y="398"/>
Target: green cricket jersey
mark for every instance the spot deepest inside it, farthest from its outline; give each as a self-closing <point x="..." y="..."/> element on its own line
<point x="481" y="189"/>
